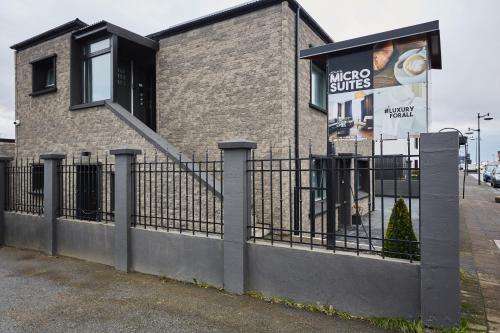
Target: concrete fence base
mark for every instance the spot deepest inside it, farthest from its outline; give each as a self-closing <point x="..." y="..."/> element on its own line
<point x="364" y="285"/>
<point x="402" y="188"/>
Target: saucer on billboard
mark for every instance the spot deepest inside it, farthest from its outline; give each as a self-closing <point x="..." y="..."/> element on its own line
<point x="411" y="66"/>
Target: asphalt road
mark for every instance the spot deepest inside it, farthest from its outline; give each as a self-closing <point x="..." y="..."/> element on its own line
<point x="56" y="294"/>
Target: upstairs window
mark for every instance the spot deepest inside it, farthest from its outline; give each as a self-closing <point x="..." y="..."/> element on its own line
<point x="318" y="86"/>
<point x="97" y="71"/>
<point x="43" y="75"/>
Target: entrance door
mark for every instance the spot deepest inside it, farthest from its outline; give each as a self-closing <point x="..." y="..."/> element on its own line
<point x="88" y="192"/>
<point x="142" y="94"/>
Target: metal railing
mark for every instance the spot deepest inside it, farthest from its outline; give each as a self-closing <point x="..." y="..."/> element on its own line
<point x="170" y="195"/>
<point x="87" y="188"/>
<point x="337" y="202"/>
<point x="24" y="186"/>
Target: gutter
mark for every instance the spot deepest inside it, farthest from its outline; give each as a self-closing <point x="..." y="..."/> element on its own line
<point x="296" y="225"/>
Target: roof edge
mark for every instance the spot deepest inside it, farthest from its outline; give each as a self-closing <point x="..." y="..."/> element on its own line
<point x="115" y="30"/>
<point x="236" y="11"/>
<point x="417" y="29"/>
<point x="50" y="34"/>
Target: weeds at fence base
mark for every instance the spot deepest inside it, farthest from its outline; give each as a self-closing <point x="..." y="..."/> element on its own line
<point x="327" y="310"/>
<point x="199" y="284"/>
<point x="399" y="325"/>
<point x="205" y="285"/>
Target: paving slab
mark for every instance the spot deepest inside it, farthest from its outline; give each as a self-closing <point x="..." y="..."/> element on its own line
<point x="481" y="216"/>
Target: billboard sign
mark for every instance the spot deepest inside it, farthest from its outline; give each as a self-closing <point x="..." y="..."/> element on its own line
<point x="379" y="89"/>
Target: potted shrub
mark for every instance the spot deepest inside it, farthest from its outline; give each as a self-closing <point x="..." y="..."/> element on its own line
<point x="400" y="239"/>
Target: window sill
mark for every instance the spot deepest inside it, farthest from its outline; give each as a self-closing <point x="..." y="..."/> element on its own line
<point x="362" y="194"/>
<point x="318" y="108"/>
<point x="87" y="105"/>
<point x="321" y="203"/>
<point x="44" y="91"/>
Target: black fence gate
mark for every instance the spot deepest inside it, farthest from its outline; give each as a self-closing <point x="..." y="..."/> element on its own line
<point x="341" y="201"/>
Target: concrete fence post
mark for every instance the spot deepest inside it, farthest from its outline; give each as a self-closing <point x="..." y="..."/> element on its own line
<point x="124" y="201"/>
<point x="236" y="212"/>
<point x="51" y="198"/>
<point x="439" y="234"/>
<point x="4" y="161"/>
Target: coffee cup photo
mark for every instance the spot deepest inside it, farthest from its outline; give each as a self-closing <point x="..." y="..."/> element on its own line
<point x="411" y="66"/>
<point x="414" y="65"/>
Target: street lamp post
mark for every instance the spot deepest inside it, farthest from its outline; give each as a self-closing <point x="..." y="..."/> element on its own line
<point x="478" y="130"/>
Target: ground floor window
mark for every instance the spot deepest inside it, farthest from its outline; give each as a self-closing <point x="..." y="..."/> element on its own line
<point x="88" y="192"/>
<point x="37" y="178"/>
<point x="318" y="179"/>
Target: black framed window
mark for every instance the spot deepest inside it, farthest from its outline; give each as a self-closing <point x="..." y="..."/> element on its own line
<point x="44" y="75"/>
<point x="318" y="86"/>
<point x="112" y="192"/>
<point x="97" y="71"/>
<point x="318" y="179"/>
<point x="37" y="178"/>
<point x="363" y="175"/>
<point x="89" y="192"/>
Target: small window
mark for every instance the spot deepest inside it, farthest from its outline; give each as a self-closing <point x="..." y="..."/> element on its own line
<point x="88" y="192"/>
<point x="37" y="178"/>
<point x="97" y="71"/>
<point x="318" y="179"/>
<point x="112" y="192"/>
<point x="318" y="86"/>
<point x="363" y="181"/>
<point x="43" y="75"/>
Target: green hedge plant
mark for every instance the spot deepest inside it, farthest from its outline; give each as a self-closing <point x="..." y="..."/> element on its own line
<point x="400" y="239"/>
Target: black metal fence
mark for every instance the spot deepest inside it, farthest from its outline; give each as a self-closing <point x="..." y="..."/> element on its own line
<point x="87" y="191"/>
<point x="178" y="195"/>
<point x="24" y="186"/>
<point x="330" y="202"/>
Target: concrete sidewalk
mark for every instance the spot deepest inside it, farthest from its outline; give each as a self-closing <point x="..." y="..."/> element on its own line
<point x="56" y="294"/>
<point x="481" y="216"/>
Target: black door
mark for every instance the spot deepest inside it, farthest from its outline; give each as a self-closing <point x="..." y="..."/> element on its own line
<point x="141" y="94"/>
<point x="345" y="192"/>
<point x="88" y="192"/>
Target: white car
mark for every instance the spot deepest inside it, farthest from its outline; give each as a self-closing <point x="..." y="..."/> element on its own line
<point x="472" y="167"/>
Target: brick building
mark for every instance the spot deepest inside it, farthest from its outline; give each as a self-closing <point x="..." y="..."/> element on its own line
<point x="82" y="89"/>
<point x="231" y="74"/>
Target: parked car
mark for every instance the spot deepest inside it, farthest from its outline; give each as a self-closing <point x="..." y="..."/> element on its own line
<point x="488" y="172"/>
<point x="495" y="177"/>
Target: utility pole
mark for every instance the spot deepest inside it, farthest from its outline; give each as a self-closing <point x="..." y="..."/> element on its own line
<point x="478" y="130"/>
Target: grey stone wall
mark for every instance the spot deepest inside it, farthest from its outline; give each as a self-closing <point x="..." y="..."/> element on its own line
<point x="236" y="79"/>
<point x="313" y="123"/>
<point x="7" y="148"/>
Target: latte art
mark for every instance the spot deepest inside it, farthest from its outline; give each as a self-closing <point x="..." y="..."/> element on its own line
<point x="415" y="65"/>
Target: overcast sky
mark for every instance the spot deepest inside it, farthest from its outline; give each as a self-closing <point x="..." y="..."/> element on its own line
<point x="469" y="82"/>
